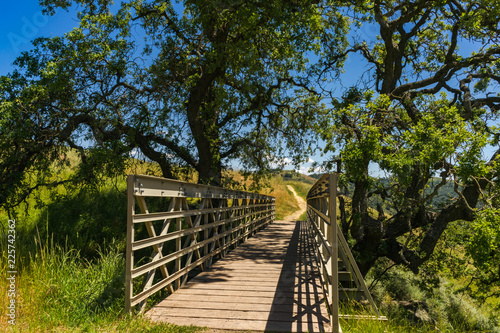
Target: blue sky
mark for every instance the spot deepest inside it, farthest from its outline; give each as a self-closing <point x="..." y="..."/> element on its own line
<point x="21" y="22"/>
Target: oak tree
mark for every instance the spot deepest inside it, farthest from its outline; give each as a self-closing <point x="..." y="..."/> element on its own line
<point x="422" y="118"/>
<point x="196" y="84"/>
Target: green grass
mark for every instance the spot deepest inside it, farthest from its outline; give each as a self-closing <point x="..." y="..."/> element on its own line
<point x="301" y="188"/>
<point x="390" y="326"/>
<point x="59" y="290"/>
<point x="285" y="201"/>
<point x="70" y="246"/>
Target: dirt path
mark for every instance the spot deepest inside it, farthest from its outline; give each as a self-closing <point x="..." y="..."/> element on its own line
<point x="302" y="204"/>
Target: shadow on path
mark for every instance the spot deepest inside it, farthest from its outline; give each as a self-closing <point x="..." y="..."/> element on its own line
<point x="298" y="297"/>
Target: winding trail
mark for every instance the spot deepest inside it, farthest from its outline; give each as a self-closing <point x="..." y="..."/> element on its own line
<point x="302" y="204"/>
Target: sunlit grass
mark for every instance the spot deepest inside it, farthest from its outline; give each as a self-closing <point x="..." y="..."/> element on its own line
<point x="58" y="290"/>
<point x="302" y="189"/>
<point x="285" y="201"/>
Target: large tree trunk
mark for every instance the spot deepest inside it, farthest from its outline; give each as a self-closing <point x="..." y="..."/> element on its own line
<point x="366" y="230"/>
<point x="210" y="167"/>
<point x="203" y="119"/>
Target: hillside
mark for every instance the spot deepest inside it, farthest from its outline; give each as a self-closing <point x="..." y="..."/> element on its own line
<point x="292" y="175"/>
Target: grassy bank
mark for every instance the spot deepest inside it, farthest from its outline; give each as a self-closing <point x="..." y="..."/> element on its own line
<point x="59" y="290"/>
<point x="70" y="263"/>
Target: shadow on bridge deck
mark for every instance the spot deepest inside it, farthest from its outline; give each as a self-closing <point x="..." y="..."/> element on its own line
<point x="268" y="283"/>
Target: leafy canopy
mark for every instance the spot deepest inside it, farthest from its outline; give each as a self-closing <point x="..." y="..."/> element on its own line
<point x="424" y="116"/>
<point x="188" y="85"/>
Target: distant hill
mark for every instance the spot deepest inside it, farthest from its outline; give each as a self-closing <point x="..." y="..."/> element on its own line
<point x="442" y="198"/>
<point x="292" y="175"/>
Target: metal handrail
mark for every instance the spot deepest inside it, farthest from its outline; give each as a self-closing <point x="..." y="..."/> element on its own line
<point x="188" y="238"/>
<point x="331" y="245"/>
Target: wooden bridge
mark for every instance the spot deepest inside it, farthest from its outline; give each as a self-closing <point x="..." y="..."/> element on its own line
<point x="225" y="263"/>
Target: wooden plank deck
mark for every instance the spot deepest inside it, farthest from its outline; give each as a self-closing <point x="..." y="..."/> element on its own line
<point x="269" y="283"/>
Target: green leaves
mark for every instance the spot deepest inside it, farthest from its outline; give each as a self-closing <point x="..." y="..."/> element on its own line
<point x="483" y="251"/>
<point x="484" y="244"/>
<point x="440" y="134"/>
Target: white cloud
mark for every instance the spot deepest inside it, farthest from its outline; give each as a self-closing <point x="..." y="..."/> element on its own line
<point x="307" y="170"/>
<point x="310" y="160"/>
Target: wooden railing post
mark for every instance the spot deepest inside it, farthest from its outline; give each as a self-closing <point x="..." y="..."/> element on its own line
<point x="330" y="247"/>
<point x="130" y="239"/>
<point x="333" y="241"/>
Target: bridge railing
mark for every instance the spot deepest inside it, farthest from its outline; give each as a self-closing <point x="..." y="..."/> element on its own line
<point x="183" y="226"/>
<point x="332" y="250"/>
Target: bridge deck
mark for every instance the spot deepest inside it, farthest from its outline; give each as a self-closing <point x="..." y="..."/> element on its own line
<point x="267" y="283"/>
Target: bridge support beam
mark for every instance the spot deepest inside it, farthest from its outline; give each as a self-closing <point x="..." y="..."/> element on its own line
<point x="334" y="266"/>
